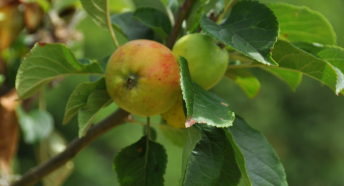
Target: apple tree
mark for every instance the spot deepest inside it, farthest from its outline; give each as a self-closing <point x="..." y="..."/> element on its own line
<point x="166" y="56"/>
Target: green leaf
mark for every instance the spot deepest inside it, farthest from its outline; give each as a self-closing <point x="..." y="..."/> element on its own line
<point x="257" y="157"/>
<point x="45" y="63"/>
<point x="290" y="77"/>
<point x="96" y="9"/>
<point x="202" y="106"/>
<point x="301" y="24"/>
<point x="156" y="4"/>
<point x="194" y="17"/>
<point x="154" y="19"/>
<point x="96" y="101"/>
<point x="36" y="125"/>
<point x="291" y="57"/>
<point x="331" y="54"/>
<point x="142" y="163"/>
<point x="79" y="98"/>
<point x="209" y="159"/>
<point x="245" y="80"/>
<point x="251" y="29"/>
<point x="2" y="79"/>
<point x="127" y="25"/>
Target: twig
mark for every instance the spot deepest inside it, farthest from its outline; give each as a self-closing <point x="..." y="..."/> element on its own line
<point x="182" y="15"/>
<point x="108" y="22"/>
<point x="37" y="173"/>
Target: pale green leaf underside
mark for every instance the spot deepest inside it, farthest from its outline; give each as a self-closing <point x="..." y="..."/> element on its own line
<point x="46" y="62"/>
<point x="290" y="77"/>
<point x="78" y="99"/>
<point x="202" y="106"/>
<point x="251" y="29"/>
<point x="87" y="100"/>
<point x="96" y="101"/>
<point x="96" y="9"/>
<point x="301" y="24"/>
<point x="255" y="156"/>
<point x="293" y="58"/>
<point x="334" y="55"/>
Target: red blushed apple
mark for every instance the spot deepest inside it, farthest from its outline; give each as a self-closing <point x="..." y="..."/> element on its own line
<point x="142" y="77"/>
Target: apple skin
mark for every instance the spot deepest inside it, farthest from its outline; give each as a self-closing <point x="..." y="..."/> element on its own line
<point x="207" y="62"/>
<point x="142" y="77"/>
<point x="175" y="116"/>
<point x="11" y="23"/>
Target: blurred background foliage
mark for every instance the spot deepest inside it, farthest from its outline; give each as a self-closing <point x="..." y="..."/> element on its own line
<point x="305" y="127"/>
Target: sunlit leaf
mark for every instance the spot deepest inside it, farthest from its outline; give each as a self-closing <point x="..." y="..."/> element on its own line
<point x="47" y="62"/>
<point x="202" y="106"/>
<point x="301" y="24"/>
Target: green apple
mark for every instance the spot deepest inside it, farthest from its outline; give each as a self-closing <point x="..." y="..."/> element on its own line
<point x="11" y="23"/>
<point x="207" y="61"/>
<point x="175" y="116"/>
<point x="142" y="77"/>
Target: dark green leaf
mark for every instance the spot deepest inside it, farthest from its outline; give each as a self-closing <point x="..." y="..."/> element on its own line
<point x="156" y="4"/>
<point x="301" y="24"/>
<point x="257" y="157"/>
<point x="291" y="77"/>
<point x="131" y="27"/>
<point x="291" y="57"/>
<point x="142" y="163"/>
<point x="245" y="80"/>
<point x="36" y="125"/>
<point x="209" y="159"/>
<point x="202" y="106"/>
<point x="251" y="29"/>
<point x="194" y="17"/>
<point x="45" y="63"/>
<point x="154" y="19"/>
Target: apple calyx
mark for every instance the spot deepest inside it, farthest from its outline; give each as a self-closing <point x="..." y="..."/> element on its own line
<point x="131" y="81"/>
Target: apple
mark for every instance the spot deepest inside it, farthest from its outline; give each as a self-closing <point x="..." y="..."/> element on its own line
<point x="11" y="23"/>
<point x="207" y="61"/>
<point x="175" y="116"/>
<point x="142" y="77"/>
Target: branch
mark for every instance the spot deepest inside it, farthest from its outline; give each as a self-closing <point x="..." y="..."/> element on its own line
<point x="182" y="14"/>
<point x="37" y="173"/>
